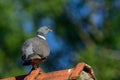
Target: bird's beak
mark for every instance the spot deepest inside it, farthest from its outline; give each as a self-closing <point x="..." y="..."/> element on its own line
<point x="50" y="30"/>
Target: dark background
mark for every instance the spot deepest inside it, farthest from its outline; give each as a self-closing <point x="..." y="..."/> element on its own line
<point x="83" y="31"/>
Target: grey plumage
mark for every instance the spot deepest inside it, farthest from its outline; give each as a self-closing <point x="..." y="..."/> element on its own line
<point x="36" y="47"/>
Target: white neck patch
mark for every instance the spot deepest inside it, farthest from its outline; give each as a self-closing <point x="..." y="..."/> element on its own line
<point x="41" y="37"/>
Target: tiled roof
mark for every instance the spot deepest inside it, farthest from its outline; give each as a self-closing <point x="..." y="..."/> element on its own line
<point x="68" y="74"/>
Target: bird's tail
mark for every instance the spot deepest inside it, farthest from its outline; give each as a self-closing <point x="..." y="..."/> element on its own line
<point x="27" y="62"/>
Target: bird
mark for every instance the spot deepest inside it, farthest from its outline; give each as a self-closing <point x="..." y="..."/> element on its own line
<point x="35" y="50"/>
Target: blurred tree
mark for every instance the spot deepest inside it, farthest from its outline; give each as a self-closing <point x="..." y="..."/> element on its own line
<point x="17" y="19"/>
<point x="88" y="31"/>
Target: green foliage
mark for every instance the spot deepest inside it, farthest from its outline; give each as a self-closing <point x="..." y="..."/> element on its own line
<point x="103" y="62"/>
<point x="101" y="49"/>
<point x="12" y="33"/>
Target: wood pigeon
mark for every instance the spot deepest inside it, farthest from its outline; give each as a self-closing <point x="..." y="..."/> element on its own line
<point x="35" y="50"/>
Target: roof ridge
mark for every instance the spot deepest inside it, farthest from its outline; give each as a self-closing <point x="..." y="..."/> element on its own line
<point x="71" y="73"/>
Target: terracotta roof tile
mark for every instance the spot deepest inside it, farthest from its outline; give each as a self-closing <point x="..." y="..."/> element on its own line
<point x="38" y="74"/>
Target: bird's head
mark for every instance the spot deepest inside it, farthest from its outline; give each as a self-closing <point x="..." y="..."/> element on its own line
<point x="43" y="31"/>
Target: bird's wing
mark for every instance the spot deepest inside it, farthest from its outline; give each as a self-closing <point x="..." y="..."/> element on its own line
<point x="40" y="47"/>
<point x="27" y="49"/>
<point x="35" y="48"/>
